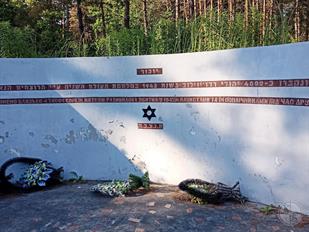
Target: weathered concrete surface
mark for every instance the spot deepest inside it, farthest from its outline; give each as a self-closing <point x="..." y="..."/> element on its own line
<point x="265" y="147"/>
<point x="75" y="208"/>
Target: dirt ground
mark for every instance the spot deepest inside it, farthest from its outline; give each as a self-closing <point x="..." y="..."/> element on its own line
<point x="72" y="207"/>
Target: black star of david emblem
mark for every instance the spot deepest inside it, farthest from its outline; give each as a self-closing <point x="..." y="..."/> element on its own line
<point x="149" y="113"/>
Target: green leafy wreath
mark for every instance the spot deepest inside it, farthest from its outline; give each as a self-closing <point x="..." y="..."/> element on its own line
<point x="118" y="188"/>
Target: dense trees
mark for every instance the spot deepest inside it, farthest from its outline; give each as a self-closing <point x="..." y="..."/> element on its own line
<point x="49" y="28"/>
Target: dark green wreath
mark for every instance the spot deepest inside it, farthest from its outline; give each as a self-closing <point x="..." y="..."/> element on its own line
<point x="212" y="193"/>
<point x="116" y="188"/>
<point x="52" y="176"/>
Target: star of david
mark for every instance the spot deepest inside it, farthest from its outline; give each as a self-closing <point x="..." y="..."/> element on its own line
<point x="149" y="113"/>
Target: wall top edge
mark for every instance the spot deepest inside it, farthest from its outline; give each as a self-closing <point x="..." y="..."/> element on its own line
<point x="260" y="48"/>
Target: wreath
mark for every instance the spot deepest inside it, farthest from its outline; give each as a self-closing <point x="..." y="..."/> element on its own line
<point x="116" y="188"/>
<point x="212" y="193"/>
<point x="38" y="174"/>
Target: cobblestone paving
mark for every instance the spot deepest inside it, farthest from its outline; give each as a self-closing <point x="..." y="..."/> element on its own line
<point x="75" y="208"/>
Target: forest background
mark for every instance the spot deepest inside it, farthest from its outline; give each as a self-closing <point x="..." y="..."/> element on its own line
<point x="66" y="28"/>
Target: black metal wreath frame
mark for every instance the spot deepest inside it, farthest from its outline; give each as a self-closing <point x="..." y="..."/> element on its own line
<point x="219" y="192"/>
<point x="55" y="175"/>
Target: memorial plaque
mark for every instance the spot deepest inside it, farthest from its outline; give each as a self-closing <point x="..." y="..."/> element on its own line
<point x="150" y="126"/>
<point x="161" y="99"/>
<point x="149" y="71"/>
<point x="276" y="83"/>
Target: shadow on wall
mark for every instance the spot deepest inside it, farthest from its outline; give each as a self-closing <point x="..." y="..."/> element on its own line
<point x="265" y="147"/>
<point x="66" y="139"/>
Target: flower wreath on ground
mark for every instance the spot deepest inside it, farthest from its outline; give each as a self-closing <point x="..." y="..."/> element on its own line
<point x="116" y="188"/>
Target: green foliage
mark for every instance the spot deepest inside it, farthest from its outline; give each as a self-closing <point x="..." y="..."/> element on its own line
<point x="121" y="43"/>
<point x="202" y="187"/>
<point x="269" y="209"/>
<point x="34" y="28"/>
<point x="198" y="201"/>
<point x="75" y="178"/>
<point x="16" y="42"/>
<point x="137" y="182"/>
<point x="117" y="188"/>
<point x="36" y="175"/>
<point x="146" y="181"/>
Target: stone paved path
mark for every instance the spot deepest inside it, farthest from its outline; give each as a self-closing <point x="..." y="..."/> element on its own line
<point x="75" y="208"/>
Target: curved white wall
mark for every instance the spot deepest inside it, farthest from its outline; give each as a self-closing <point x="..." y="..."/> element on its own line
<point x="264" y="146"/>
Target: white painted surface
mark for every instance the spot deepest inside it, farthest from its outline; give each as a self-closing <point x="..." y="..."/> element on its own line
<point x="266" y="147"/>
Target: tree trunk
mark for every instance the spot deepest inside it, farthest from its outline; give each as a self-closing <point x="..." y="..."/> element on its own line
<point x="255" y="4"/>
<point x="145" y="10"/>
<point x="101" y="4"/>
<point x="271" y="10"/>
<point x="185" y="10"/>
<point x="231" y="10"/>
<point x="307" y="20"/>
<point x="219" y="9"/>
<point x="176" y="10"/>
<point x="297" y="20"/>
<point x="211" y="8"/>
<point x="80" y="18"/>
<point x="191" y="8"/>
<point x="126" y="20"/>
<point x="205" y="7"/>
<point x="200" y="7"/>
<point x="246" y="14"/>
<point x="264" y="21"/>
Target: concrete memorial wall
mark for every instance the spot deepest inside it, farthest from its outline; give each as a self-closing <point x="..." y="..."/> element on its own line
<point x="234" y="115"/>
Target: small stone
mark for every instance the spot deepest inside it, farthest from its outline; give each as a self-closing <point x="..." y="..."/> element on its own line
<point x="106" y="211"/>
<point x="168" y="206"/>
<point x="139" y="230"/>
<point x="48" y="224"/>
<point x="252" y="229"/>
<point x="275" y="228"/>
<point x="36" y="219"/>
<point x="151" y="204"/>
<point x="169" y="217"/>
<point x="152" y="212"/>
<point x="56" y="225"/>
<point x="199" y="220"/>
<point x="62" y="227"/>
<point x="161" y="195"/>
<point x="73" y="228"/>
<point x="236" y="218"/>
<point x="119" y="200"/>
<point x="135" y="220"/>
<point x="189" y="210"/>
